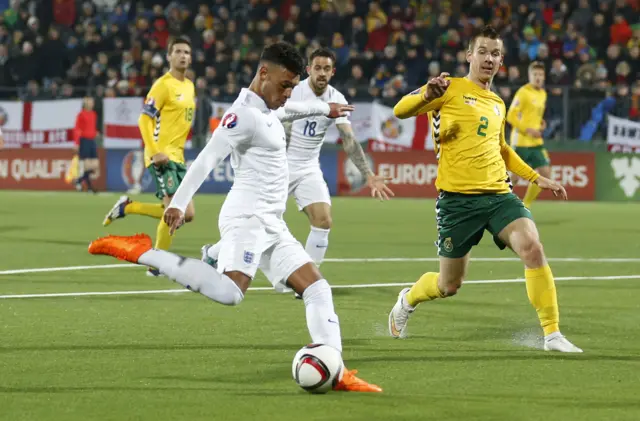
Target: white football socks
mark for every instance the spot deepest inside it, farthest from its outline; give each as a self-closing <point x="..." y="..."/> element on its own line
<point x="195" y="275"/>
<point x="317" y="243"/>
<point x="322" y="321"/>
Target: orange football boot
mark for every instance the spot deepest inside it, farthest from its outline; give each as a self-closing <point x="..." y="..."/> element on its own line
<point x="351" y="383"/>
<point x="128" y="248"/>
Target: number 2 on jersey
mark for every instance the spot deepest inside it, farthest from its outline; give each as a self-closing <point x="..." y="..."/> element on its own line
<point x="483" y="126"/>
<point x="310" y="128"/>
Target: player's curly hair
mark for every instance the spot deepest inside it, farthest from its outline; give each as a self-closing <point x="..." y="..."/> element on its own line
<point x="284" y="54"/>
<point x="486" y="32"/>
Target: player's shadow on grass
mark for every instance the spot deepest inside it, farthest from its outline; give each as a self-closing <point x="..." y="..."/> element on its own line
<point x="244" y="377"/>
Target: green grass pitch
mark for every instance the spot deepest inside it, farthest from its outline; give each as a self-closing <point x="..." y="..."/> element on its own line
<point x="475" y="356"/>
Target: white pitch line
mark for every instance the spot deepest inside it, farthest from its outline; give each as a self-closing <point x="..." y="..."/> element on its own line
<point x="65" y="268"/>
<point x="353" y="286"/>
<point x="351" y="260"/>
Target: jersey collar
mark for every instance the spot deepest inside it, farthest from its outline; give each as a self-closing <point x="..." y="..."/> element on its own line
<point x="255" y="100"/>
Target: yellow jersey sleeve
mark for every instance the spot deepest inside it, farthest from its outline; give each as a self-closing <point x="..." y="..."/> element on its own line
<point x="512" y="160"/>
<point x="156" y="99"/>
<point x="414" y="104"/>
<point x="153" y="104"/>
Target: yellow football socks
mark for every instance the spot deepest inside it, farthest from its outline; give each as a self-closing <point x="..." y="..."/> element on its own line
<point x="532" y="193"/>
<point x="163" y="238"/>
<point x="154" y="210"/>
<point x="426" y="289"/>
<point x="541" y="290"/>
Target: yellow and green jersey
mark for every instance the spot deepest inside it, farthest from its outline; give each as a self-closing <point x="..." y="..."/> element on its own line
<point x="468" y="125"/>
<point x="171" y="105"/>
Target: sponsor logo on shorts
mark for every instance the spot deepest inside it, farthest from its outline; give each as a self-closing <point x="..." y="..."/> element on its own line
<point x="248" y="257"/>
<point x="170" y="182"/>
<point x="448" y="245"/>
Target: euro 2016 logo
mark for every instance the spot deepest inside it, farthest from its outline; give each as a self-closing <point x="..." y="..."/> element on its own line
<point x="134" y="173"/>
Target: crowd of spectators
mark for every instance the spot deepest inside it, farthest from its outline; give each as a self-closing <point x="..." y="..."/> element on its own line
<point x="62" y="48"/>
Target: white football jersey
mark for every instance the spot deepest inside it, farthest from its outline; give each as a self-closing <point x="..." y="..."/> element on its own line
<point x="254" y="137"/>
<point x="308" y="134"/>
<point x="258" y="159"/>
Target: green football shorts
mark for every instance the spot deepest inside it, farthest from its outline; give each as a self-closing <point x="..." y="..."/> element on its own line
<point x="535" y="157"/>
<point x="167" y="178"/>
<point x="462" y="219"/>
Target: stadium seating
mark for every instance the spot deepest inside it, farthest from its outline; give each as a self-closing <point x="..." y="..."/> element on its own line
<point x="384" y="48"/>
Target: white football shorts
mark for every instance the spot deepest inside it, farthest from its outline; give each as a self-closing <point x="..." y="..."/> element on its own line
<point x="247" y="244"/>
<point x="308" y="187"/>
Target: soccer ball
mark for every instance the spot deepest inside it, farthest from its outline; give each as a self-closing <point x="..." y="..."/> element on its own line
<point x="317" y="368"/>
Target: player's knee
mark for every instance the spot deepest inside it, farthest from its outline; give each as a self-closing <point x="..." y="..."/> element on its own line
<point x="451" y="288"/>
<point x="532" y="253"/>
<point x="189" y="215"/>
<point x="235" y="298"/>
<point x="323" y="222"/>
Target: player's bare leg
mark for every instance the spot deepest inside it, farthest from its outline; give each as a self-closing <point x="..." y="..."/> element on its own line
<point x="429" y="287"/>
<point x="322" y="321"/>
<point x="125" y="206"/>
<point x="533" y="191"/>
<point x="163" y="237"/>
<point x="522" y="237"/>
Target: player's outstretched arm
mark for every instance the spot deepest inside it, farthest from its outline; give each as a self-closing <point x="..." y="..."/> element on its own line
<point x="428" y="98"/>
<point x="514" y="163"/>
<point x="295" y="110"/>
<point x="353" y="149"/>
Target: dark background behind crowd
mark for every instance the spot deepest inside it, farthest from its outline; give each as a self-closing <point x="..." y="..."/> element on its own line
<point x="108" y="48"/>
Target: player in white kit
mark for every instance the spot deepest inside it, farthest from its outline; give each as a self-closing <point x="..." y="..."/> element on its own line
<point x="306" y="182"/>
<point x="305" y="138"/>
<point x="253" y="232"/>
